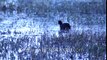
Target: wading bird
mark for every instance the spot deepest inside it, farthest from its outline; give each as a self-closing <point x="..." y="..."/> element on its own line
<point x="64" y="27"/>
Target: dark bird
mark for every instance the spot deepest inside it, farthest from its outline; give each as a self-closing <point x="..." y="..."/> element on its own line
<point x="64" y="26"/>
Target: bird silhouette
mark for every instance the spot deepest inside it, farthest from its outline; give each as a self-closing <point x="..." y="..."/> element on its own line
<point x="64" y="26"/>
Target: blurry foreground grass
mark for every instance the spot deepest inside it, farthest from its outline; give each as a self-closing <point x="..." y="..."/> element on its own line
<point x="85" y="45"/>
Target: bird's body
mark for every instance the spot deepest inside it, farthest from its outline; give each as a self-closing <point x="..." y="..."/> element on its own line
<point x="65" y="26"/>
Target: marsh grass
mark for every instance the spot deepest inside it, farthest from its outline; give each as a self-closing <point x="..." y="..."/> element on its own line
<point x="85" y="45"/>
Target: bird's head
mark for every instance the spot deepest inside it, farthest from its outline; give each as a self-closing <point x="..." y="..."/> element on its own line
<point x="60" y="22"/>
